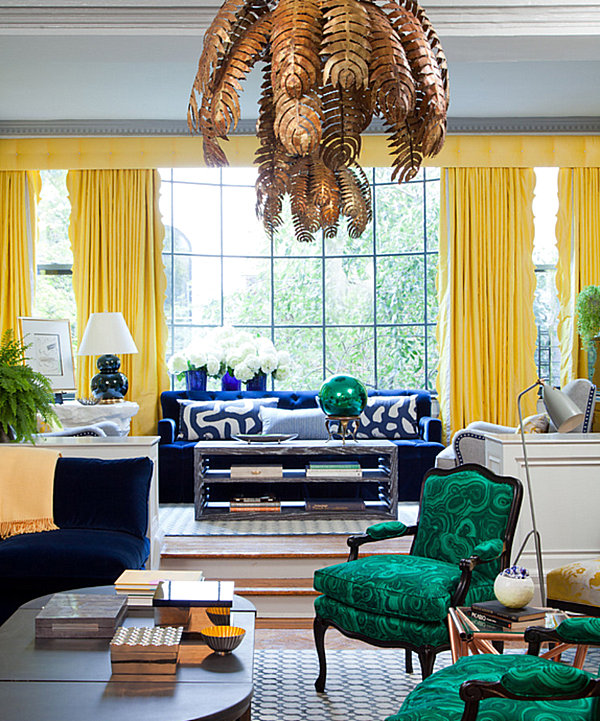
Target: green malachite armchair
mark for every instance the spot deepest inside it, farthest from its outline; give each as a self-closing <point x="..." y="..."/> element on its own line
<point x="512" y="687"/>
<point x="462" y="540"/>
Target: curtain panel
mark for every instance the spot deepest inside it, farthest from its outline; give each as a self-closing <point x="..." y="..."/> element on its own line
<point x="117" y="234"/>
<point x="578" y="238"/>
<point x="486" y="283"/>
<point x="19" y="195"/>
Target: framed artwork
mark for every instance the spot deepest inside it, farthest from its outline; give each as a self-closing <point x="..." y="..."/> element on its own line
<point x="50" y="350"/>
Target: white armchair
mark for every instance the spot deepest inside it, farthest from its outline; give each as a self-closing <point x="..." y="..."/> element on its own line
<point x="468" y="444"/>
<point x="100" y="429"/>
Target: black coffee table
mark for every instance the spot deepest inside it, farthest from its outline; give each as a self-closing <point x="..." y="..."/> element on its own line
<point x="70" y="679"/>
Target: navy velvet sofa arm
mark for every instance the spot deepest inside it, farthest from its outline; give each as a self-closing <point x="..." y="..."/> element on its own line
<point x="430" y="429"/>
<point x="166" y="430"/>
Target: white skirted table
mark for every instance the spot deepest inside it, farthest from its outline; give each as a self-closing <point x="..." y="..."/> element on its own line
<point x="73" y="413"/>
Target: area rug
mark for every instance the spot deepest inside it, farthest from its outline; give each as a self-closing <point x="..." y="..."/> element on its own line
<point x="178" y="520"/>
<point x="362" y="685"/>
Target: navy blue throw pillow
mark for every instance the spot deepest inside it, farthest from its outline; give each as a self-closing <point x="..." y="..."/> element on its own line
<point x="391" y="417"/>
<point x="109" y="495"/>
<point x="221" y="420"/>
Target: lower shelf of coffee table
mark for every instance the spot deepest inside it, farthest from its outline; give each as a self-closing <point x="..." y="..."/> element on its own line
<point x="296" y="511"/>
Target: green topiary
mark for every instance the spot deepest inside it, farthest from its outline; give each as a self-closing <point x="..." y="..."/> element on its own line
<point x="23" y="392"/>
<point x="588" y="313"/>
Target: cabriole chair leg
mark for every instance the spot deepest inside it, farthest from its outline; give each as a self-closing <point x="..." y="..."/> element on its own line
<point x="319" y="628"/>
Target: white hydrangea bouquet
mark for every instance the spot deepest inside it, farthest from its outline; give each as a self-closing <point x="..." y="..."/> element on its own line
<point x="227" y="349"/>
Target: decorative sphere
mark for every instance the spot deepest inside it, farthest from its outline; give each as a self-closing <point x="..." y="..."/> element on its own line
<point x="513" y="591"/>
<point x="342" y="396"/>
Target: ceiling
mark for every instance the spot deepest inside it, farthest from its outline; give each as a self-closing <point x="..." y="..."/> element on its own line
<point x="78" y="66"/>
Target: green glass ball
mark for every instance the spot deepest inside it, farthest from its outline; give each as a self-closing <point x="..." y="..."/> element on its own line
<point x="342" y="396"/>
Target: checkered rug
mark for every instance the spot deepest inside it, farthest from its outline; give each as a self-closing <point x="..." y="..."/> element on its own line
<point x="362" y="685"/>
<point x="177" y="519"/>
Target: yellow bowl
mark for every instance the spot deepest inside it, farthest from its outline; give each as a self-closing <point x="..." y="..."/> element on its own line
<point x="219" y="615"/>
<point x="222" y="639"/>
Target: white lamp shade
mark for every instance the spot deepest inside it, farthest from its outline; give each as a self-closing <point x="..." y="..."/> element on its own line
<point x="562" y="410"/>
<point x="106" y="333"/>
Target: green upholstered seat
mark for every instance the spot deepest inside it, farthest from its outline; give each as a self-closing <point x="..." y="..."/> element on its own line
<point x="521" y="674"/>
<point x="462" y="541"/>
<point x="393" y="585"/>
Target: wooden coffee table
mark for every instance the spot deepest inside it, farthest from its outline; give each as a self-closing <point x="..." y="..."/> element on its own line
<point x="70" y="679"/>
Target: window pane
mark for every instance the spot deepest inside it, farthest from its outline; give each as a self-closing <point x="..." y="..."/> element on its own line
<point x="349" y="290"/>
<point x="243" y="233"/>
<point x="247" y="291"/>
<point x="433" y="215"/>
<point x="400" y="297"/>
<point x="198" y="287"/>
<point x="432" y="299"/>
<point x="399" y="213"/>
<point x="350" y="350"/>
<point x="343" y="244"/>
<point x="305" y="345"/>
<point x="212" y="176"/>
<point x="54" y="298"/>
<point x="284" y="241"/>
<point x="196" y="215"/>
<point x="401" y="357"/>
<point x="433" y="358"/>
<point x="240" y="176"/>
<point x="298" y="292"/>
<point x="53" y="244"/>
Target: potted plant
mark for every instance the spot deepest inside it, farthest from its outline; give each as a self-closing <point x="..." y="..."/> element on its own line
<point x="23" y="393"/>
<point x="588" y="322"/>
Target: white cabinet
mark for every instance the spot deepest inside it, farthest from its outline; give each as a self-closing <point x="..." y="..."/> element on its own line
<point x="565" y="480"/>
<point x="114" y="447"/>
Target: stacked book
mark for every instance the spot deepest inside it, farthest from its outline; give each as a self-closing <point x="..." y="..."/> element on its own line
<point x="139" y="586"/>
<point x="257" y="503"/>
<point x="333" y="469"/>
<point x="497" y="615"/>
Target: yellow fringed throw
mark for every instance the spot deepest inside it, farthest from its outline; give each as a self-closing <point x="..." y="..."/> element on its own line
<point x="26" y="489"/>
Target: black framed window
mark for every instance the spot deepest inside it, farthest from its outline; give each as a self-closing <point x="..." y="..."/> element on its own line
<point x="363" y="306"/>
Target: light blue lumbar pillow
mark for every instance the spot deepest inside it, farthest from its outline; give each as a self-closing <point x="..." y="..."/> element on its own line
<point x="220" y="420"/>
<point x="391" y="417"/>
<point x="308" y="423"/>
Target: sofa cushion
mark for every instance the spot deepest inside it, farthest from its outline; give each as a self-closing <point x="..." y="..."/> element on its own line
<point x="308" y="423"/>
<point x="221" y="420"/>
<point x="109" y="495"/>
<point x="71" y="553"/>
<point x="390" y="417"/>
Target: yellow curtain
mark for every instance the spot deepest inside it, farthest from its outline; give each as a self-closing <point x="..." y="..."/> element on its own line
<point x="578" y="236"/>
<point x="19" y="194"/>
<point x="116" y="234"/>
<point x="486" y="283"/>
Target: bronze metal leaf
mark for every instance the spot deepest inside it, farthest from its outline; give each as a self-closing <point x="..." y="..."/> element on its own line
<point x="346" y="47"/>
<point x="295" y="44"/>
<point x="298" y="123"/>
<point x="355" y="206"/>
<point x="346" y="113"/>
<point x="390" y="78"/>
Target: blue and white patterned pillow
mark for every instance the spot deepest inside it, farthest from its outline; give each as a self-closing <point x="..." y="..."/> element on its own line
<point x="308" y="423"/>
<point x="220" y="420"/>
<point x="391" y="417"/>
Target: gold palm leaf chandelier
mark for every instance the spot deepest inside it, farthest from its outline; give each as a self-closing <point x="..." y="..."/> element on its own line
<point x="329" y="68"/>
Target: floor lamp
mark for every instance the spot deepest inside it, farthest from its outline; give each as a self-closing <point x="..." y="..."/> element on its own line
<point x="565" y="416"/>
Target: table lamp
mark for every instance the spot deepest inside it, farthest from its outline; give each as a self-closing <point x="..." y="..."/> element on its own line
<point x="565" y="416"/>
<point x="106" y="334"/>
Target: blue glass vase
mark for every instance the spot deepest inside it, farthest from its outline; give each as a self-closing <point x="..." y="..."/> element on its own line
<point x="195" y="380"/>
<point x="230" y="383"/>
<point x="258" y="383"/>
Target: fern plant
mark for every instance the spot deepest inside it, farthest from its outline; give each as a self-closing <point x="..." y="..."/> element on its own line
<point x="23" y="392"/>
<point x="588" y="313"/>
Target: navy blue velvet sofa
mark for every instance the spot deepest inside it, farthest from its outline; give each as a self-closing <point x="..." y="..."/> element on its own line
<point x="176" y="457"/>
<point x="101" y="509"/>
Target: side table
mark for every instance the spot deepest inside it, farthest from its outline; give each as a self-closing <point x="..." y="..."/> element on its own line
<point x="469" y="635"/>
<point x="73" y="413"/>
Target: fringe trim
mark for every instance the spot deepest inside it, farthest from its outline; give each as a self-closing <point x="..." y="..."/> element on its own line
<point x="12" y="528"/>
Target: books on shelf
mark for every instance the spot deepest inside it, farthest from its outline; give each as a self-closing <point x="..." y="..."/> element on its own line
<point x="336" y="469"/>
<point x="335" y="504"/>
<point x="494" y="613"/>
<point x="498" y="610"/>
<point x="139" y="586"/>
<point x="257" y="503"/>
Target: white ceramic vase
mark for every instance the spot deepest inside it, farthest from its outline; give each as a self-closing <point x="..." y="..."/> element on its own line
<point x="514" y="592"/>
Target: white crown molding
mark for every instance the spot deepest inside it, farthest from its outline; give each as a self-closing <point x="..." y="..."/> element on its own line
<point x="469" y="18"/>
<point x="125" y="128"/>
